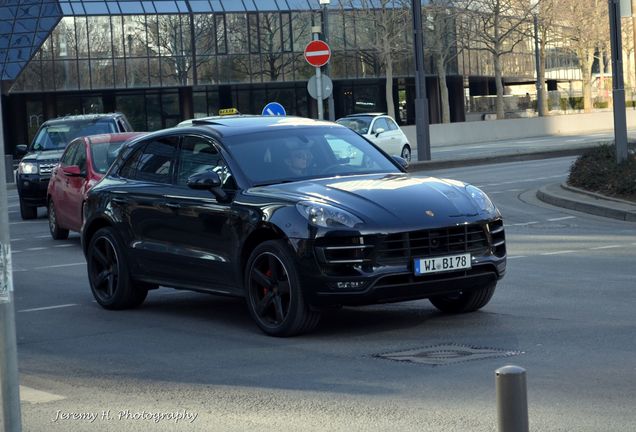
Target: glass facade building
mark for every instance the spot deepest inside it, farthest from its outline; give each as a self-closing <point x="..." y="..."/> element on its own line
<point x="162" y="61"/>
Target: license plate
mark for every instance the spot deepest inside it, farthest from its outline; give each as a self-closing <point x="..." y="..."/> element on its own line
<point x="442" y="264"/>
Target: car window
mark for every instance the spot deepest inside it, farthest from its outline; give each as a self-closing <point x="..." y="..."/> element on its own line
<point x="380" y="124"/>
<point x="155" y="162"/>
<point x="198" y="155"/>
<point x="104" y="154"/>
<point x="56" y="136"/>
<point x="129" y="168"/>
<point x="358" y="124"/>
<point x="391" y="124"/>
<point x="79" y="158"/>
<point x="69" y="154"/>
<point x="265" y="157"/>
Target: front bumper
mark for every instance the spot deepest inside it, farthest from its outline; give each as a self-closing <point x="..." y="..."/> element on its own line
<point x="32" y="189"/>
<point x="380" y="269"/>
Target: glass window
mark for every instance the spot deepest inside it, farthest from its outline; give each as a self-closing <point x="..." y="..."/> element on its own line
<point x="253" y="33"/>
<point x="358" y="124"/>
<point x="103" y="154"/>
<point x="155" y="164"/>
<point x="220" y="34"/>
<point x="69" y="155"/>
<point x="391" y="124"/>
<point x="80" y="157"/>
<point x="198" y="155"/>
<point x="237" y="33"/>
<point x="380" y="124"/>
<point x="100" y="37"/>
<point x="129" y="168"/>
<point x="81" y="28"/>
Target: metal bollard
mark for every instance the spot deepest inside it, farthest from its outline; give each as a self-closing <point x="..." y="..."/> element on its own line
<point x="512" y="399"/>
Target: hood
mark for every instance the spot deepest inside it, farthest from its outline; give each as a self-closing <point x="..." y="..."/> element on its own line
<point x="41" y="156"/>
<point x="400" y="198"/>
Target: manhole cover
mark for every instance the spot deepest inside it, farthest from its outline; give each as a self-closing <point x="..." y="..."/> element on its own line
<point x="446" y="354"/>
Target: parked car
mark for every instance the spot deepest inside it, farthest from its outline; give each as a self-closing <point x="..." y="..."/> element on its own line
<point x="83" y="164"/>
<point x="39" y="159"/>
<point x="262" y="208"/>
<point x="381" y="130"/>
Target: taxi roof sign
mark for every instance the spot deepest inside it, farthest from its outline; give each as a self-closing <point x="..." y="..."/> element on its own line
<point x="228" y="111"/>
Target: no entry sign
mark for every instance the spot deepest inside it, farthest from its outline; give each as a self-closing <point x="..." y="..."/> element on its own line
<point x="317" y="53"/>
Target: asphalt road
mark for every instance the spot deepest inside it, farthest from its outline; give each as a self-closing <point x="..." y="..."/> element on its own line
<point x="564" y="312"/>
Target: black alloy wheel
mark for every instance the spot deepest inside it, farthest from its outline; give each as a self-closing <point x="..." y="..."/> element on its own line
<point x="465" y="301"/>
<point x="274" y="296"/>
<point x="27" y="212"/>
<point x="57" y="232"/>
<point x="108" y="273"/>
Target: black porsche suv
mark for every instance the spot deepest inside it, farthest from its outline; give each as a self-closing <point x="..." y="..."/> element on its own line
<point x="38" y="160"/>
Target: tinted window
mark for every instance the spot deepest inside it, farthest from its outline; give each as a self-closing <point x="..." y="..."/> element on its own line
<point x="267" y="156"/>
<point x="198" y="155"/>
<point x="80" y="157"/>
<point x="155" y="163"/>
<point x="104" y="154"/>
<point x="129" y="168"/>
<point x="69" y="154"/>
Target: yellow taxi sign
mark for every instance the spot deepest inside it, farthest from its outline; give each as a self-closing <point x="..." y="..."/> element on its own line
<point x="228" y="111"/>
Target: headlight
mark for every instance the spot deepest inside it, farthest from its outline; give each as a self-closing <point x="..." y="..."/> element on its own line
<point x="481" y="199"/>
<point x="28" y="168"/>
<point x="326" y="216"/>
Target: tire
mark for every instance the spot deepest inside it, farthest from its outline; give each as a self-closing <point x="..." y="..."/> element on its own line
<point x="57" y="232"/>
<point x="274" y="294"/>
<point x="108" y="273"/>
<point x="28" y="212"/>
<point x="463" y="302"/>
<point x="406" y="153"/>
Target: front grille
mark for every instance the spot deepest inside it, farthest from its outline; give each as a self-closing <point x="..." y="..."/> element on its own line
<point x="46" y="167"/>
<point x="397" y="249"/>
<point x="401" y="248"/>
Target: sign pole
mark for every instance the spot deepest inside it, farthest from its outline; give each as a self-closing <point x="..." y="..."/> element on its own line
<point x="8" y="347"/>
<point x="321" y="115"/>
<point x="620" y="121"/>
<point x="422" y="128"/>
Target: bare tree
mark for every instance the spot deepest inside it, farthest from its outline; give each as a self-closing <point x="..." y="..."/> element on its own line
<point x="498" y="26"/>
<point x="385" y="22"/>
<point x="587" y="26"/>
<point x="443" y="19"/>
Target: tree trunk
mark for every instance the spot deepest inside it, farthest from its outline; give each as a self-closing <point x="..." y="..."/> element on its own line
<point x="586" y="74"/>
<point x="443" y="88"/>
<point x="390" y="105"/>
<point x="500" y="90"/>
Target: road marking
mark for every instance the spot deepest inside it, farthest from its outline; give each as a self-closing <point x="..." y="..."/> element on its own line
<point x="561" y="218"/>
<point x="35" y="249"/>
<point x="606" y="247"/>
<point x="524" y="223"/>
<point x="559" y="252"/>
<point x="48" y="308"/>
<point x="63" y="245"/>
<point x="31" y="395"/>
<point x="518" y="256"/>
<point x="524" y="180"/>
<point x="50" y="267"/>
<point x="17" y="239"/>
<point x="25" y="222"/>
<point x="43" y="236"/>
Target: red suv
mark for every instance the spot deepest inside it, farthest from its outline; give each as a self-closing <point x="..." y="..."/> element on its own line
<point x="82" y="165"/>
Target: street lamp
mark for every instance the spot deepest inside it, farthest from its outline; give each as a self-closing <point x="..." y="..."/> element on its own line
<point x="537" y="58"/>
<point x="422" y="128"/>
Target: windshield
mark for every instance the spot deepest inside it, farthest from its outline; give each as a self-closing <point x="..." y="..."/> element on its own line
<point x="358" y="124"/>
<point x="291" y="154"/>
<point x="57" y="136"/>
<point x="103" y="155"/>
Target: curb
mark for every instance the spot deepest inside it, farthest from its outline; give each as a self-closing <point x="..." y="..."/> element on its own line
<point x="510" y="157"/>
<point x="605" y="208"/>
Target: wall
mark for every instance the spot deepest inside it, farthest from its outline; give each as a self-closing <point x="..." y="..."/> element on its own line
<point x="485" y="131"/>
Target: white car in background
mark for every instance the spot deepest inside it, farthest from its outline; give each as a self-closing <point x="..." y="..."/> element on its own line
<point x="381" y="130"/>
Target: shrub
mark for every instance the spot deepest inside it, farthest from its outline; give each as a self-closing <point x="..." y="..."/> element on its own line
<point x="597" y="171"/>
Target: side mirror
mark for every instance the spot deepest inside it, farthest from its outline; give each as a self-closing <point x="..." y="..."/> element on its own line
<point x="20" y="150"/>
<point x="73" y="171"/>
<point x="402" y="162"/>
<point x="378" y="131"/>
<point x="208" y="180"/>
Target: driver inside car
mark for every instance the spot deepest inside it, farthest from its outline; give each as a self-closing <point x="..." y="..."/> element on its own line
<point x="298" y="160"/>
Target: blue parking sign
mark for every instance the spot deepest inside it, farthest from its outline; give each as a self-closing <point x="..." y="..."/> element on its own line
<point x="274" y="109"/>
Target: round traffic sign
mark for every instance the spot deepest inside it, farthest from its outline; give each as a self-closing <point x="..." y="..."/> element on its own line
<point x="326" y="86"/>
<point x="274" y="109"/>
<point x="317" y="53"/>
